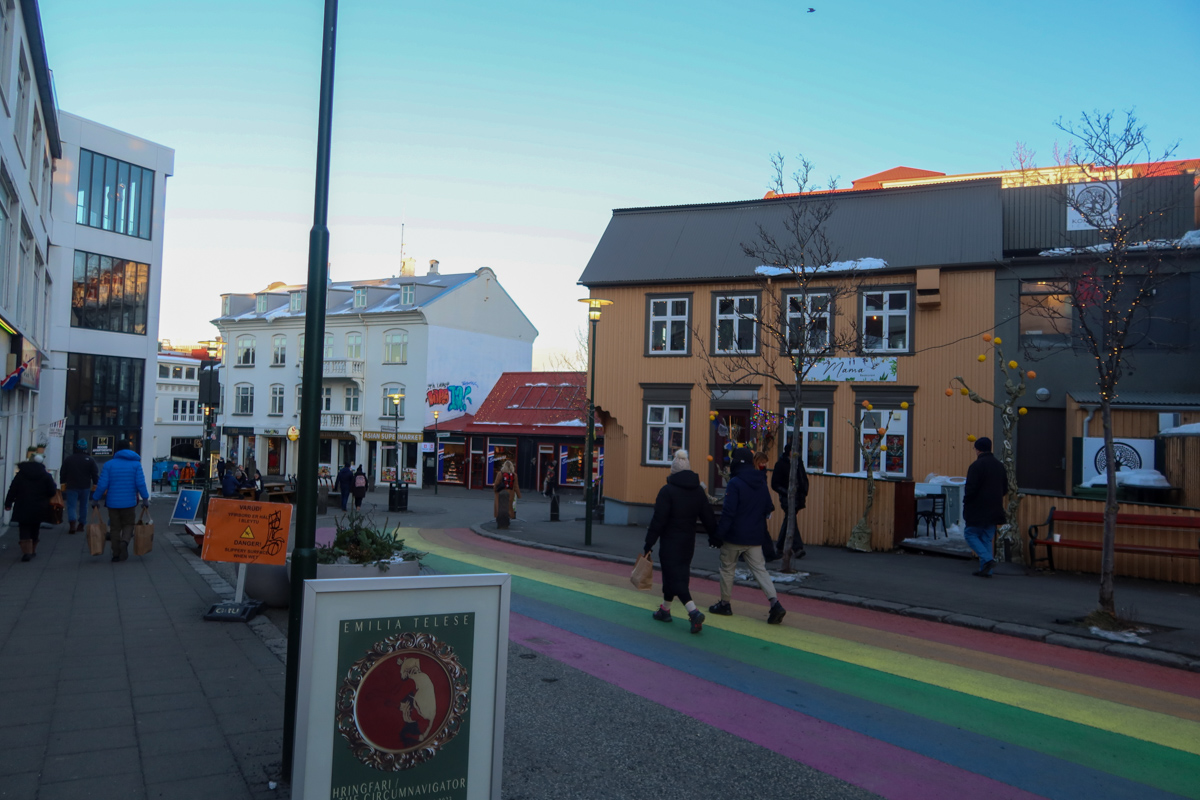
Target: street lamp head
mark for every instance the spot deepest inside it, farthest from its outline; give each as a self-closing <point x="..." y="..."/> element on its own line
<point x="594" y="305"/>
<point x="211" y="346"/>
<point x="435" y="416"/>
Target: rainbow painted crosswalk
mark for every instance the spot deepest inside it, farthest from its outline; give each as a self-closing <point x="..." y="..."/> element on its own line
<point x="899" y="706"/>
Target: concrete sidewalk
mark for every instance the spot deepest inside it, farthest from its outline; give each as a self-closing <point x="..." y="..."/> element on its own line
<point x="1031" y="604"/>
<point x="116" y="688"/>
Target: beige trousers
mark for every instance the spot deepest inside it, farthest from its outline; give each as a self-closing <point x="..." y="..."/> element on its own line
<point x="752" y="553"/>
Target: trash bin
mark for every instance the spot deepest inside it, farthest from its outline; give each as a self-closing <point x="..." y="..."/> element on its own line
<point x="398" y="496"/>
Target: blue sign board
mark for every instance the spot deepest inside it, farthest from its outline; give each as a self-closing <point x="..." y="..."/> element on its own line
<point x="187" y="506"/>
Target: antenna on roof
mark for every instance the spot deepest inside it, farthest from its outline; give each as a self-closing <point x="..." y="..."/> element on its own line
<point x="401" y="248"/>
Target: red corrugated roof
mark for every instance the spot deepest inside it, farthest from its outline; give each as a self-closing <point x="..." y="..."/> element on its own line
<point x="530" y="403"/>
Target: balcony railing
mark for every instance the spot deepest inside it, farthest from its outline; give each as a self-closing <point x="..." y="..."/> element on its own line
<point x="349" y="368"/>
<point x="341" y="422"/>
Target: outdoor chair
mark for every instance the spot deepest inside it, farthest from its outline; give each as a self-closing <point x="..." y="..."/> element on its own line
<point x="931" y="510"/>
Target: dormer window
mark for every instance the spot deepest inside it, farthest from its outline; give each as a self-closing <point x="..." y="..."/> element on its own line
<point x="262" y="304"/>
<point x="360" y="298"/>
<point x="407" y="295"/>
<point x="297" y="302"/>
<point x="225" y="305"/>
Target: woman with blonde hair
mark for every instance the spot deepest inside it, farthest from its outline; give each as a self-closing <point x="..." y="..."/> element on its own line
<point x="506" y="491"/>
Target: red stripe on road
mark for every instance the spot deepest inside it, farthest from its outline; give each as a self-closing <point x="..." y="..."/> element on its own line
<point x="852" y="757"/>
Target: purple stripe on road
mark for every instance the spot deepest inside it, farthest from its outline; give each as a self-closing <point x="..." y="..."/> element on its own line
<point x="874" y="765"/>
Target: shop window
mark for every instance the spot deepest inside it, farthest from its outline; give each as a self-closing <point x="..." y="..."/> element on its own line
<point x="736" y="324"/>
<point x="814" y="437"/>
<point x="664" y="432"/>
<point x="452" y="460"/>
<point x="668" y="325"/>
<point x="886" y="321"/>
<point x="893" y="462"/>
<point x="1046" y="313"/>
<point x="571" y="464"/>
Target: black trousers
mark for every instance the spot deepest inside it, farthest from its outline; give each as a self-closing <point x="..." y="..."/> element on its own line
<point x="797" y="542"/>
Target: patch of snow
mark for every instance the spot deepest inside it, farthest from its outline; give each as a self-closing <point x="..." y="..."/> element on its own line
<point x="835" y="266"/>
<point x="1127" y="637"/>
<point x="572" y="423"/>
<point x="1191" y="429"/>
<point x="1189" y="239"/>
<point x="944" y="480"/>
<point x="776" y="577"/>
<point x="1145" y="478"/>
<point x="862" y="473"/>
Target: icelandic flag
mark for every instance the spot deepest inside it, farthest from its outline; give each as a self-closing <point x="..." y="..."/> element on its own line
<point x="13" y="378"/>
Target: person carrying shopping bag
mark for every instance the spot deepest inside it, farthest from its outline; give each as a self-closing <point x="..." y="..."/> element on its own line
<point x="680" y="503"/>
<point x="122" y="483"/>
<point x="29" y="499"/>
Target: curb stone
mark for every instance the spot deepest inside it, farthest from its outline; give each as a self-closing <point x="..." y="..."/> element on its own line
<point x="1147" y="654"/>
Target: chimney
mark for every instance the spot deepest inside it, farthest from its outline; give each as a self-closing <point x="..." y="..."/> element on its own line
<point x="408" y="267"/>
<point x="433" y="266"/>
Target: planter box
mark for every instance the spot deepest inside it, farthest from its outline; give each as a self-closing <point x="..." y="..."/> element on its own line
<point x="397" y="569"/>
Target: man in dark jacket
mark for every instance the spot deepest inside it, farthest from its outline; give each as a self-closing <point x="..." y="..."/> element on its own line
<point x="741" y="531"/>
<point x="680" y="503"/>
<point x="344" y="483"/>
<point x="80" y="473"/>
<point x="230" y="484"/>
<point x="983" y="504"/>
<point x="31" y="490"/>
<point x="779" y="482"/>
<point x="122" y="483"/>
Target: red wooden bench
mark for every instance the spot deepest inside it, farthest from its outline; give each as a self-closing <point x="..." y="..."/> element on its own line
<point x="1096" y="517"/>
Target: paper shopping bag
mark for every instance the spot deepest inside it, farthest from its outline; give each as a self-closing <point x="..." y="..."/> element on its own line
<point x="143" y="534"/>
<point x="643" y="573"/>
<point x="97" y="533"/>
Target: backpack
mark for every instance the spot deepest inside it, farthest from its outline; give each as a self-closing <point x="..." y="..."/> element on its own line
<point x="360" y="481"/>
<point x="506" y="480"/>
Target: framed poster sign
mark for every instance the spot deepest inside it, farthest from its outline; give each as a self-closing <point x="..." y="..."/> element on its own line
<point x="402" y="684"/>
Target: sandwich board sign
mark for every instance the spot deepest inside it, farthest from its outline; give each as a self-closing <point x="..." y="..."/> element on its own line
<point x="187" y="505"/>
<point x="402" y="685"/>
<point x="244" y="532"/>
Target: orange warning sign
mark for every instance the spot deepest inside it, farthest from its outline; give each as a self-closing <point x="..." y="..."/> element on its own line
<point x="246" y="532"/>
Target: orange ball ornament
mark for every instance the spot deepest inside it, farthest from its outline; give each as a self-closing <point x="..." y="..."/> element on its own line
<point x="710" y="458"/>
<point x="981" y="357"/>
<point x="949" y="393"/>
<point x="881" y="431"/>
<point x="866" y="403"/>
<point x="1031" y="374"/>
<point x="987" y="337"/>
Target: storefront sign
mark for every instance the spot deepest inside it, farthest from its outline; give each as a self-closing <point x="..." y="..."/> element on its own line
<point x="270" y="432"/>
<point x="246" y="532"/>
<point x="102" y="446"/>
<point x="428" y="447"/>
<point x="239" y="431"/>
<point x="402" y="687"/>
<point x="1130" y="454"/>
<point x="390" y="436"/>
<point x="854" y="369"/>
<point x="33" y="365"/>
<point x="1090" y="203"/>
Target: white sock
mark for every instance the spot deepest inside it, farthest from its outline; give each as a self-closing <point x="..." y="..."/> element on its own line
<point x="666" y="606"/>
<point x="691" y="606"/>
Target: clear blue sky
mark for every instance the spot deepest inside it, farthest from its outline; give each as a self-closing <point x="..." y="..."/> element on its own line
<point x="503" y="134"/>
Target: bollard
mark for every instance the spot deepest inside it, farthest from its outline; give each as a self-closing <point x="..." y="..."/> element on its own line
<point x="393" y="497"/>
<point x="554" y="508"/>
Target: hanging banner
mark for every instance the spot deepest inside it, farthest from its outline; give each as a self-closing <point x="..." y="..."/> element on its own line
<point x="402" y="691"/>
<point x="853" y="369"/>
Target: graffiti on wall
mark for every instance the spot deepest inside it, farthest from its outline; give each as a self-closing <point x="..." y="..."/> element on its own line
<point x="454" y="396"/>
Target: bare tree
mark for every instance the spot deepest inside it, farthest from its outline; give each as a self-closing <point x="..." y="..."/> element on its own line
<point x="869" y="450"/>
<point x="801" y="320"/>
<point x="1105" y="179"/>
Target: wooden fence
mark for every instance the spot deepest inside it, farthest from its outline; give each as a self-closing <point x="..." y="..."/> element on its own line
<point x="1036" y="507"/>
<point x="1181" y="466"/>
<point x="835" y="503"/>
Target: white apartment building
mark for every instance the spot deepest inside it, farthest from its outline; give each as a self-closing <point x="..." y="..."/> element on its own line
<point x="178" y="414"/>
<point x="29" y="145"/>
<point x="441" y="340"/>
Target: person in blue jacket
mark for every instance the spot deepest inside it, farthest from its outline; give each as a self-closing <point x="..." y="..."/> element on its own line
<point x="122" y="483"/>
<point x="229" y="484"/>
<point x="741" y="531"/>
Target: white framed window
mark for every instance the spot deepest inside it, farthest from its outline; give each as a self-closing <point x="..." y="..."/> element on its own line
<point x="226" y="301"/>
<point x="664" y="432"/>
<point x="278" y="350"/>
<point x="327" y="398"/>
<point x="164" y="371"/>
<point x="35" y="154"/>
<point x="360" y="298"/>
<point x="296" y="302"/>
<point x="190" y="373"/>
<point x="389" y="405"/>
<point x="299" y="396"/>
<point x="814" y="436"/>
<point x="893" y="461"/>
<point x="395" y="347"/>
<point x="329" y="345"/>
<point x="354" y="345"/>
<point x="243" y="399"/>
<point x="736" y="323"/>
<point x="260" y="304"/>
<point x="300" y="347"/>
<point x="407" y="295"/>
<point x="353" y="399"/>
<point x="245" y="351"/>
<point x="885" y="322"/>
<point x="22" y="114"/>
<point x="6" y="40"/>
<point x="808" y="317"/>
<point x="5" y="239"/>
<point x="668" y="329"/>
<point x="177" y="373"/>
<point x="277" y="400"/>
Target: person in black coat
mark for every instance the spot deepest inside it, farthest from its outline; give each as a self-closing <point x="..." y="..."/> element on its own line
<point x="229" y="484"/>
<point x="80" y="473"/>
<point x="983" y="504"/>
<point x="360" y="487"/>
<point x="29" y="500"/>
<point x="344" y="482"/>
<point x="779" y="482"/>
<point x="743" y="525"/>
<point x="680" y="503"/>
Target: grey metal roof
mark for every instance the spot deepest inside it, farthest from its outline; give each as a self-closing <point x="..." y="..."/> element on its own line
<point x="943" y="224"/>
<point x="1172" y="399"/>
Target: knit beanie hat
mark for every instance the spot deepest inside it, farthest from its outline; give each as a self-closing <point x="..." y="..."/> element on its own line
<point x="680" y="462"/>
